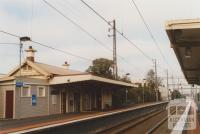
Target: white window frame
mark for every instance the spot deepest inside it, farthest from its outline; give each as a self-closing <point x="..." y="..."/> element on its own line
<point x="38" y="87"/>
<point x="29" y="93"/>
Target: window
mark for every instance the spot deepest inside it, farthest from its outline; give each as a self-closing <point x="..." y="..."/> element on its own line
<point x="26" y="91"/>
<point x="41" y="91"/>
<point x="27" y="68"/>
<point x="54" y="99"/>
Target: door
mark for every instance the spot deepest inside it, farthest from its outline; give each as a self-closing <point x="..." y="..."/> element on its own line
<point x="86" y="101"/>
<point x="93" y="101"/>
<point x="63" y="102"/>
<point x="9" y="104"/>
<point x="99" y="99"/>
<point x="77" y="102"/>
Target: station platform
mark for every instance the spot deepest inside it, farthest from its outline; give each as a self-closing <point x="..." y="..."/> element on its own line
<point x="189" y="122"/>
<point x="37" y="123"/>
<point x="197" y="120"/>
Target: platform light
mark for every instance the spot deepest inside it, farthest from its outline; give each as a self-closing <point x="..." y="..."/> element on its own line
<point x="188" y="52"/>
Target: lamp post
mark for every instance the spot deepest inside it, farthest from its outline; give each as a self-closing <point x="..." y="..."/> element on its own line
<point x="143" y="90"/>
<point x="22" y="39"/>
<point x="127" y="89"/>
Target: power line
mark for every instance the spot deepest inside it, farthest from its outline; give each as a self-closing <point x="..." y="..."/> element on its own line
<point x="125" y="37"/>
<point x="1" y="31"/>
<point x="53" y="48"/>
<point x="149" y="31"/>
<point x="9" y="43"/>
<point x="62" y="51"/>
<point x="122" y="34"/>
<point x="84" y="30"/>
<point x="65" y="52"/>
<point x="76" y="24"/>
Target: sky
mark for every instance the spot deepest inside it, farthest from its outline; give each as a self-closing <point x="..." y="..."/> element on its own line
<point x="35" y="19"/>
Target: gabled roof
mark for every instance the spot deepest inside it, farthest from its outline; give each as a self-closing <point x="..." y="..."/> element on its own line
<point x="48" y="70"/>
<point x="62" y="75"/>
<point x="54" y="70"/>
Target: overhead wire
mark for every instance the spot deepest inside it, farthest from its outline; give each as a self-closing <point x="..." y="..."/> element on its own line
<point x="82" y="29"/>
<point x="125" y="37"/>
<point x="76" y="24"/>
<point x="62" y="51"/>
<point x="118" y="31"/>
<point x="1" y="31"/>
<point x="31" y="18"/>
<point x="150" y="33"/>
<point x="50" y="47"/>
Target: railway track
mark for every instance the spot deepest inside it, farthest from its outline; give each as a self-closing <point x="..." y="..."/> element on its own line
<point x="147" y="124"/>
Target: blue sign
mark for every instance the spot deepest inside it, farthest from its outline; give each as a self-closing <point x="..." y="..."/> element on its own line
<point x="19" y="84"/>
<point x="34" y="100"/>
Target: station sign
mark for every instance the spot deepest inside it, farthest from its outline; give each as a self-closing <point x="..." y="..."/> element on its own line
<point x="19" y="84"/>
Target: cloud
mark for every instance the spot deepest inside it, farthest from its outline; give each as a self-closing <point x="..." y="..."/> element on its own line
<point x="48" y="27"/>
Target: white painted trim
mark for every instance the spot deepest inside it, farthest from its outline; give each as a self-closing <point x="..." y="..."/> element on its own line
<point x="13" y="102"/>
<point x="7" y="78"/>
<point x="4" y="114"/>
<point x="67" y="100"/>
<point x="7" y="84"/>
<point x="86" y="77"/>
<point x="34" y="66"/>
<point x="182" y="24"/>
<point x="48" y="99"/>
<point x="41" y="84"/>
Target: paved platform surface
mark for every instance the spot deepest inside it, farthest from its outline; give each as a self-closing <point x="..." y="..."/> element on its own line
<point x="197" y="129"/>
<point x="7" y="126"/>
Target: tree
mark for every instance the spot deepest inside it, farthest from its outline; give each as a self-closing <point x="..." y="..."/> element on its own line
<point x="151" y="83"/>
<point x="101" y="67"/>
<point x="176" y="94"/>
<point x="150" y="79"/>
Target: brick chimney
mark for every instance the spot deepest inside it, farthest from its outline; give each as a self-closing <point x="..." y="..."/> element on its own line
<point x="66" y="65"/>
<point x="30" y="54"/>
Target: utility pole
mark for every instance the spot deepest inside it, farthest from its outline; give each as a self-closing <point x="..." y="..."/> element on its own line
<point x="20" y="58"/>
<point x="167" y="86"/>
<point x="115" y="72"/>
<point x="178" y="84"/>
<point x="172" y="84"/>
<point x="156" y="79"/>
<point x="22" y="39"/>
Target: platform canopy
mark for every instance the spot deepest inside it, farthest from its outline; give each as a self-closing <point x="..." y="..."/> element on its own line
<point x="184" y="36"/>
<point x="87" y="78"/>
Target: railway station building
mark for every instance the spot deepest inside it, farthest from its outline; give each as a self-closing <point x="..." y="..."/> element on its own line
<point x="37" y="89"/>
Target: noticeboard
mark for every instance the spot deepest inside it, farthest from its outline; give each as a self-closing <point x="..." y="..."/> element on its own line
<point x="34" y="100"/>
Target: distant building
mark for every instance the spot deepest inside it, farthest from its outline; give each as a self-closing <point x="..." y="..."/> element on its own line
<point x="38" y="89"/>
<point x="139" y="82"/>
